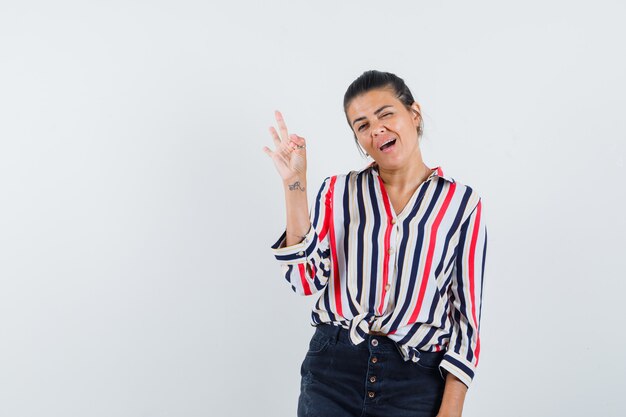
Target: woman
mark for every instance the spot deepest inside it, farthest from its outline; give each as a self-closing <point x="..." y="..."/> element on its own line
<point x="396" y="251"/>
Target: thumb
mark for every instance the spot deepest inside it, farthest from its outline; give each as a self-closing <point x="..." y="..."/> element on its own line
<point x="299" y="142"/>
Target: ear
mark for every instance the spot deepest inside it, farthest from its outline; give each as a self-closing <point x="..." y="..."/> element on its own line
<point x="416" y="112"/>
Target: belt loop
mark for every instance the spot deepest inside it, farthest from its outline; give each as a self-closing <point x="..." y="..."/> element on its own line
<point x="336" y="331"/>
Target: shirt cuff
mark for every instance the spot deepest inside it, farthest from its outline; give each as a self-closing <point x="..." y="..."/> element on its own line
<point x="295" y="253"/>
<point x="459" y="367"/>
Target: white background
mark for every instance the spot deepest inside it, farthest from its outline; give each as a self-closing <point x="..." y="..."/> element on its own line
<point x="137" y="207"/>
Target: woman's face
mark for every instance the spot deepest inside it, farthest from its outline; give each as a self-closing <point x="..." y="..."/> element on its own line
<point x="384" y="127"/>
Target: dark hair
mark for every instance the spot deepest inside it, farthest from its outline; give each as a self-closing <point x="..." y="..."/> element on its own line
<point x="372" y="80"/>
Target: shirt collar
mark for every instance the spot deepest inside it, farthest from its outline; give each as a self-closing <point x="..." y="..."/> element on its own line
<point x="437" y="172"/>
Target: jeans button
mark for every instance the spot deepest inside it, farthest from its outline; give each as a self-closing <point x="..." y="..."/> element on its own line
<point x="371" y="394"/>
<point x="374" y="342"/>
<point x="374" y="359"/>
<point x="372" y="379"/>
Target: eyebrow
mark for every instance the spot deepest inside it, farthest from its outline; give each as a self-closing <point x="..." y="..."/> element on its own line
<point x="376" y="113"/>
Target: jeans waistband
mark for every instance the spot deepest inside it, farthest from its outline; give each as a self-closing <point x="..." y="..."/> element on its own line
<point x="383" y="343"/>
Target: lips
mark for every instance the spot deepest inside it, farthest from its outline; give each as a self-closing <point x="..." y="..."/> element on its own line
<point x="387" y="144"/>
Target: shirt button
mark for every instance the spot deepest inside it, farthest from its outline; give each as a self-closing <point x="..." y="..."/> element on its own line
<point x="371" y="394"/>
<point x="393" y="221"/>
<point x="374" y="359"/>
<point x="390" y="251"/>
<point x="374" y="342"/>
<point x="387" y="287"/>
<point x="372" y="379"/>
<point x="301" y="253"/>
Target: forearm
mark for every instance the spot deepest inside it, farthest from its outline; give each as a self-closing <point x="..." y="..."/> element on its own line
<point x="297" y="208"/>
<point x="453" y="397"/>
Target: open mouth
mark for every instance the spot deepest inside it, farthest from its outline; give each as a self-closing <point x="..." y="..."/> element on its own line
<point x="387" y="145"/>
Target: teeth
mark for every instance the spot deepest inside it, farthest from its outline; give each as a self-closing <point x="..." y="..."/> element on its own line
<point x="390" y="140"/>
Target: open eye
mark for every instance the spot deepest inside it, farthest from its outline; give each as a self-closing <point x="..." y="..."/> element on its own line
<point x="362" y="126"/>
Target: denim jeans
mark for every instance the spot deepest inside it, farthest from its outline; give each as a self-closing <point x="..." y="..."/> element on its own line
<point x="367" y="380"/>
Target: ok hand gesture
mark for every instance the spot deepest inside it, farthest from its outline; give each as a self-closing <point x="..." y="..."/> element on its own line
<point x="289" y="155"/>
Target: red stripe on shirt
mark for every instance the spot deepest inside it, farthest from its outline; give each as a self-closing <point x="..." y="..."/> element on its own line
<point x="305" y="283"/>
<point x="472" y="255"/>
<point x="333" y="245"/>
<point x="387" y="245"/>
<point x="431" y="251"/>
<point x="326" y="210"/>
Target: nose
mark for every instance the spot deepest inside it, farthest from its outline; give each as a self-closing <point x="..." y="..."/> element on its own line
<point x="378" y="128"/>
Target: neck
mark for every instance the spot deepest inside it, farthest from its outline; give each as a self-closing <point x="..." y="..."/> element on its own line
<point x="406" y="177"/>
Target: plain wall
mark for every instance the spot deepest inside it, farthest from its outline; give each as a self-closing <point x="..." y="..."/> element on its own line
<point x="137" y="207"/>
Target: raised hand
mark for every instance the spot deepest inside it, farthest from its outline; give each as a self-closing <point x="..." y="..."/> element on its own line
<point x="289" y="155"/>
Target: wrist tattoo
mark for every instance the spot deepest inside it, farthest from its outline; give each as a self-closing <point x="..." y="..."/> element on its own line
<point x="296" y="186"/>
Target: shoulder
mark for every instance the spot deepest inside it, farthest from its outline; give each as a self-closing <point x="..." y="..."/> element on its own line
<point x="459" y="184"/>
<point x="464" y="198"/>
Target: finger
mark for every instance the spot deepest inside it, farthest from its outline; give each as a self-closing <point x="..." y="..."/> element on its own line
<point x="281" y="158"/>
<point x="298" y="144"/>
<point x="281" y="147"/>
<point x="294" y="142"/>
<point x="284" y="151"/>
<point x="275" y="136"/>
<point x="276" y="156"/>
<point x="287" y="144"/>
<point x="299" y="140"/>
<point x="284" y="135"/>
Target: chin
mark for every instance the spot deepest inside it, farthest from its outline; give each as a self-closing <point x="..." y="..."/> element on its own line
<point x="390" y="163"/>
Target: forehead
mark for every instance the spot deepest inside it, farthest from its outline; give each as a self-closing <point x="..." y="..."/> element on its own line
<point x="367" y="103"/>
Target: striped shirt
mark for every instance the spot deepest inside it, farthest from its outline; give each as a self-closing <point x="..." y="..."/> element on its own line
<point x="416" y="276"/>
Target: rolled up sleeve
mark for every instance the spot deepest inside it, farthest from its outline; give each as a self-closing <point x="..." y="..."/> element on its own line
<point x="466" y="288"/>
<point x="306" y="265"/>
